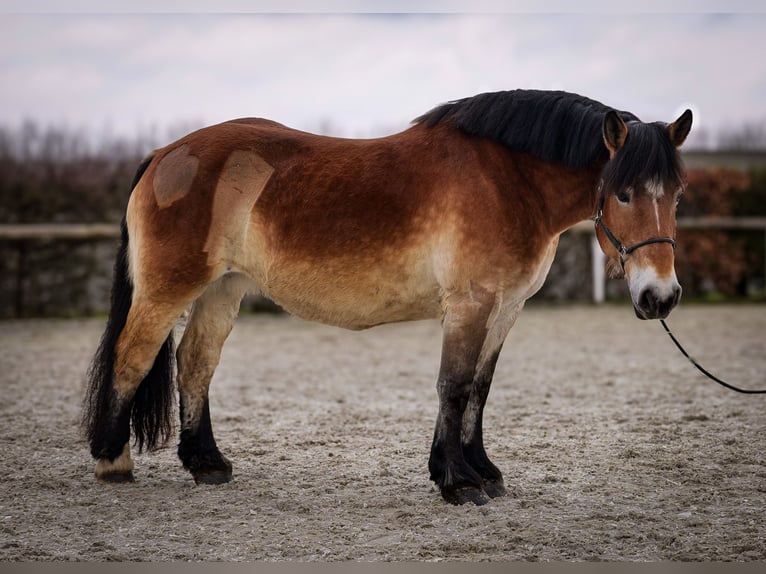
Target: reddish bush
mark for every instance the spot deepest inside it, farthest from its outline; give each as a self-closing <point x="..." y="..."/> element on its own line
<point x="712" y="260"/>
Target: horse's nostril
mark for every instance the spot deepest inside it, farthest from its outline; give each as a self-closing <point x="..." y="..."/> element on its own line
<point x="647" y="301"/>
<point x="676" y="295"/>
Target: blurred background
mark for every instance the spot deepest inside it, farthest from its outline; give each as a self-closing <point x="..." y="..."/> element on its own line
<point x="88" y="92"/>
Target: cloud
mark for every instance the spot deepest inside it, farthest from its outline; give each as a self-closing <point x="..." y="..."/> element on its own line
<point x="365" y="74"/>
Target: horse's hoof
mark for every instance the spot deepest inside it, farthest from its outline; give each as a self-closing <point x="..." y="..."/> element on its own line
<point x="213" y="477"/>
<point x="116" y="477"/>
<point x="494" y="489"/>
<point x="458" y="496"/>
<point x="207" y="467"/>
<point x="117" y="470"/>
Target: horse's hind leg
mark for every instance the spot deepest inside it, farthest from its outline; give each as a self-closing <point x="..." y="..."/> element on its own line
<point x="136" y="365"/>
<point x="210" y="322"/>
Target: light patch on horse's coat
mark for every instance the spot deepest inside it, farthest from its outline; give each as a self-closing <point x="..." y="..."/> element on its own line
<point x="655" y="189"/>
<point x="134" y="244"/>
<point x="646" y="277"/>
<point x="120" y="465"/>
<point x="240" y="184"/>
<point x="174" y="176"/>
<point x="657" y="213"/>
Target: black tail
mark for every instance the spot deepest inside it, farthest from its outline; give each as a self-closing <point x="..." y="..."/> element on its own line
<point x="151" y="411"/>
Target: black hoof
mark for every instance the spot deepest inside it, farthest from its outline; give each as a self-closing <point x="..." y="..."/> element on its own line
<point x="116" y="477"/>
<point x="206" y="466"/>
<point x="463" y="494"/>
<point x="209" y="468"/>
<point x="494" y="489"/>
<point x="213" y="476"/>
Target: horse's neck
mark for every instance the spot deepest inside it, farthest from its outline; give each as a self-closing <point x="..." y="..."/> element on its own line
<point x="570" y="196"/>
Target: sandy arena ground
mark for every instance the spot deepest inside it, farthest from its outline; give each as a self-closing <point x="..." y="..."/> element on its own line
<point x="613" y="447"/>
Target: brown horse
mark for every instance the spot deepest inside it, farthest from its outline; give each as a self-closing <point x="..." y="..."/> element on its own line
<point x="458" y="217"/>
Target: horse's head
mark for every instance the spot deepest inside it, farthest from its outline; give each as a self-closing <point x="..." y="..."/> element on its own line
<point x="636" y="215"/>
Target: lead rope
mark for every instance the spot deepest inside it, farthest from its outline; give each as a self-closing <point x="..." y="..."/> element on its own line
<point x="707" y="373"/>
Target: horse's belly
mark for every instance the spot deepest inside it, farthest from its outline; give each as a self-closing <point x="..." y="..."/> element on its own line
<point x="354" y="295"/>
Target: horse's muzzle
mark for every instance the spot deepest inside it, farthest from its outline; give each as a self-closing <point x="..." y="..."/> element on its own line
<point x="654" y="305"/>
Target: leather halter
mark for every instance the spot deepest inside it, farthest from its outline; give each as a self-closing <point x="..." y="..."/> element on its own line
<point x="622" y="249"/>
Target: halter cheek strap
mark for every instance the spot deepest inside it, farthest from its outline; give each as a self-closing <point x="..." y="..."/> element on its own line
<point x="622" y="249"/>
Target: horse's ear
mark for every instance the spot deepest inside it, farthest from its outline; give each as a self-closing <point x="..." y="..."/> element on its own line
<point x="614" y="131"/>
<point x="680" y="128"/>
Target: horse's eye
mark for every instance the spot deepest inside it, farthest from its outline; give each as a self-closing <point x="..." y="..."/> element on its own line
<point x="623" y="196"/>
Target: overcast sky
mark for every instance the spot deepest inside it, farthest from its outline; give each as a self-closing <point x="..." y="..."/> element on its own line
<point x="364" y="74"/>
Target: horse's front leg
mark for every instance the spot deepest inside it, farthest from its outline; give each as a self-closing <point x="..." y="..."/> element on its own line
<point x="464" y="333"/>
<point x="504" y="316"/>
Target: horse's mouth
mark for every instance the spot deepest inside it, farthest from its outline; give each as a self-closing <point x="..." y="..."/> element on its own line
<point x="639" y="314"/>
<point x="657" y="314"/>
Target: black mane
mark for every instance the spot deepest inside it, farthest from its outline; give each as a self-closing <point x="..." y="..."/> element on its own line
<point x="565" y="128"/>
<point x="555" y="126"/>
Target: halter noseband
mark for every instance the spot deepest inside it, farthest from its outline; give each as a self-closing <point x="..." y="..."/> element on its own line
<point x="622" y="249"/>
